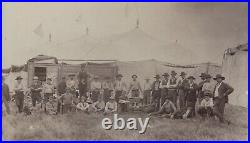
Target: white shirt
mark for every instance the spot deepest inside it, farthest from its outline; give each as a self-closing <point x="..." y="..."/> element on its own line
<point x="18" y="87"/>
<point x="111" y="106"/>
<point x="95" y="85"/>
<point x="147" y="86"/>
<point x="208" y="87"/>
<point x="205" y="103"/>
<point x="120" y="85"/>
<point x="216" y="93"/>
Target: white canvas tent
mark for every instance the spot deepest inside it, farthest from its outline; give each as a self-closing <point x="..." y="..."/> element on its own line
<point x="136" y="45"/>
<point x="235" y="69"/>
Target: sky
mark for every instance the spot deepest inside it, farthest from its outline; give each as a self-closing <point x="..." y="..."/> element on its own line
<point x="206" y="29"/>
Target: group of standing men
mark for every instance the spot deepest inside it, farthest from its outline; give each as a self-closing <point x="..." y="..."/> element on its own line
<point x="178" y="93"/>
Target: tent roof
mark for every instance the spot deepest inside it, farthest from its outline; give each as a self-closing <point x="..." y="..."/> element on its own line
<point x="136" y="45"/>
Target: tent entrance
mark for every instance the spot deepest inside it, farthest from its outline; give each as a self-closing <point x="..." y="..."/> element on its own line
<point x="40" y="72"/>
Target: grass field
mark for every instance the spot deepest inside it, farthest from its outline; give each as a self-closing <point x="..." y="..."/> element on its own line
<point x="80" y="126"/>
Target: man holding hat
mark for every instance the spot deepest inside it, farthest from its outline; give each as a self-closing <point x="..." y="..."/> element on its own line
<point x="156" y="92"/>
<point x="172" y="87"/>
<point x="5" y="95"/>
<point x="19" y="93"/>
<point x="182" y="81"/>
<point x="36" y="90"/>
<point x="164" y="89"/>
<point x="191" y="89"/>
<point x="220" y="95"/>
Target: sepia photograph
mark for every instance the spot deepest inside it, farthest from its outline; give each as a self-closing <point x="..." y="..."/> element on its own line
<point x="162" y="71"/>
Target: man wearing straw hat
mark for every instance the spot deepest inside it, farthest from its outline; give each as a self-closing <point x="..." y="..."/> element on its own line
<point x="5" y="95"/>
<point x="220" y="95"/>
<point x="19" y="93"/>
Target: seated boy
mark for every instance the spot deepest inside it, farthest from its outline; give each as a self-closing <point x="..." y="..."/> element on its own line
<point x="111" y="106"/>
<point x="99" y="105"/>
<point x="82" y="105"/>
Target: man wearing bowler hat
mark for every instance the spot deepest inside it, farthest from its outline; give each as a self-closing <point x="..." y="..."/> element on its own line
<point x="220" y="95"/>
<point x="156" y="92"/>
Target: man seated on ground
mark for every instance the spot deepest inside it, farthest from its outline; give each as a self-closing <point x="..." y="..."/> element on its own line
<point x="168" y="110"/>
<point x="205" y="108"/>
<point x="99" y="105"/>
<point x="111" y="106"/>
<point x="67" y="99"/>
<point x="82" y="105"/>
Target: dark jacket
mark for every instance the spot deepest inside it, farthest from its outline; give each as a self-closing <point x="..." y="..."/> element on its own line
<point x="5" y="92"/>
<point x="36" y="90"/>
<point x="224" y="90"/>
<point x="62" y="87"/>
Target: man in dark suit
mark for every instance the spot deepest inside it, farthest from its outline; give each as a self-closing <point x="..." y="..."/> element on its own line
<point x="220" y="95"/>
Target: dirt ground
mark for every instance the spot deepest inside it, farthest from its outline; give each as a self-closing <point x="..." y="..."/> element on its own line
<point x="82" y="126"/>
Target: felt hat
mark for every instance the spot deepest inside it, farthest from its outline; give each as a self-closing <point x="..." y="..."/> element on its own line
<point x="183" y="73"/>
<point x="157" y="76"/>
<point x="202" y="75"/>
<point x="71" y="75"/>
<point x="165" y="74"/>
<point x="208" y="76"/>
<point x="89" y="101"/>
<point x="134" y="76"/>
<point x="191" y="77"/>
<point x="219" y="76"/>
<point x="19" y="78"/>
<point x="173" y="73"/>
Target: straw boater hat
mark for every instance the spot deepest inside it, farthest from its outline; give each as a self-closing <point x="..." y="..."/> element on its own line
<point x="191" y="77"/>
<point x="134" y="76"/>
<point x="165" y="74"/>
<point x="19" y="78"/>
<point x="219" y="76"/>
<point x="157" y="76"/>
<point x="35" y="78"/>
<point x="173" y="73"/>
<point x="183" y="73"/>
